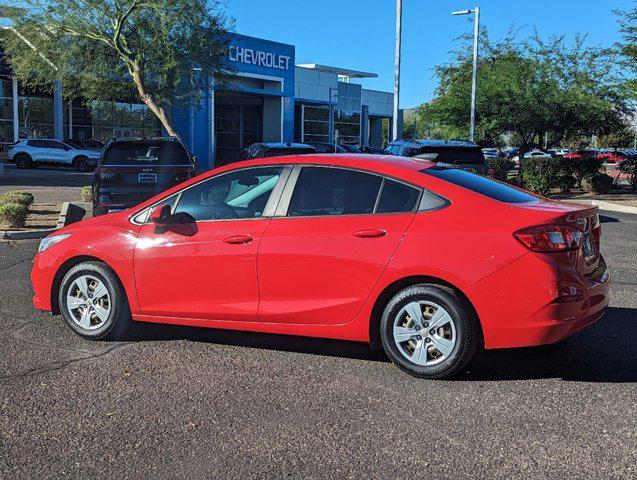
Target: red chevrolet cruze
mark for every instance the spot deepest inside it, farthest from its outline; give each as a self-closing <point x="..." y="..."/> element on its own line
<point x="431" y="262"/>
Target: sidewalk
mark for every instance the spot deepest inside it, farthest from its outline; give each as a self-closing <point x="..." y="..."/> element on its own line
<point x="623" y="200"/>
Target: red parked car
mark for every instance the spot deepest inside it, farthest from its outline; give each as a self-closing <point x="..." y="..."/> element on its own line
<point x="431" y="262"/>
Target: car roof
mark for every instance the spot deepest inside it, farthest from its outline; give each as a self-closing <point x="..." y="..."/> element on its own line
<point x="434" y="143"/>
<point x="363" y="161"/>
<point x="144" y="139"/>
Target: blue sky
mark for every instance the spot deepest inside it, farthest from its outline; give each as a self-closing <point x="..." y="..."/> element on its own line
<point x="359" y="34"/>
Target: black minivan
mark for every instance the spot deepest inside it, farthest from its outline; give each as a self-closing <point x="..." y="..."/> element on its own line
<point x="131" y="171"/>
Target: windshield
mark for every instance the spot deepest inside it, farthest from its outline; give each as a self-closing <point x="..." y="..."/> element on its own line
<point x="452" y="155"/>
<point x="146" y="153"/>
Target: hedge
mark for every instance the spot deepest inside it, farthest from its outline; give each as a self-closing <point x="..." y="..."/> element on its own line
<point x="15" y="196"/>
<point x="500" y="167"/>
<point x="597" y="183"/>
<point x="86" y="194"/>
<point x="541" y="174"/>
<point x="13" y="214"/>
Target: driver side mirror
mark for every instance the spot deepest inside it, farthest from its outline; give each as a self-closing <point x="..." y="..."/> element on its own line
<point x="181" y="223"/>
<point x="159" y="216"/>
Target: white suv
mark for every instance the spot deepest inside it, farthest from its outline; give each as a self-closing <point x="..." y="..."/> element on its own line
<point x="31" y="152"/>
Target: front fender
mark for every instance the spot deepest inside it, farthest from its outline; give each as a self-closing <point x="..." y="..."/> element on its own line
<point x="113" y="246"/>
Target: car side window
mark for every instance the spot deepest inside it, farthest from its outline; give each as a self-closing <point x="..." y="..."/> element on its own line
<point x="239" y="194"/>
<point x="332" y="191"/>
<point x="397" y="197"/>
<point x="37" y="143"/>
<point x="56" y="145"/>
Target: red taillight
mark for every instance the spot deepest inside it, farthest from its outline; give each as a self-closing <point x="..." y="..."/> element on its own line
<point x="550" y="238"/>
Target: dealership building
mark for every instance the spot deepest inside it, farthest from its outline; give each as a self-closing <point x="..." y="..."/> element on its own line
<point x="269" y="98"/>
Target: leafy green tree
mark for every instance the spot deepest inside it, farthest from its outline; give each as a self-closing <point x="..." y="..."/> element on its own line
<point x="620" y="139"/>
<point x="531" y="88"/>
<point x="158" y="50"/>
<point x="628" y="46"/>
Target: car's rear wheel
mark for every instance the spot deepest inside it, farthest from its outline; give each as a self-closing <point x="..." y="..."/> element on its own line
<point x="429" y="331"/>
<point x="23" y="160"/>
<point x="93" y="302"/>
<point x="81" y="164"/>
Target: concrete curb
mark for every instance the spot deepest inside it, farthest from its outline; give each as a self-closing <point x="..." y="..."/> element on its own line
<point x="607" y="206"/>
<point x="613" y="207"/>
<point x="24" y="235"/>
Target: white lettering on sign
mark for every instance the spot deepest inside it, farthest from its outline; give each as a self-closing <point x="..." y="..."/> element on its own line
<point x="257" y="57"/>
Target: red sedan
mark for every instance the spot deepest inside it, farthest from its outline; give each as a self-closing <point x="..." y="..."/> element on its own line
<point x="431" y="262"/>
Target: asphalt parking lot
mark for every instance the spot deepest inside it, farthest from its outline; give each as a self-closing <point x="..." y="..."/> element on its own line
<point x="209" y="404"/>
<point x="39" y="181"/>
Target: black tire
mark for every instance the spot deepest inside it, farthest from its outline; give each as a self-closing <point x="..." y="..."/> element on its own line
<point x="467" y="330"/>
<point x="81" y="164"/>
<point x="23" y="160"/>
<point x="119" y="321"/>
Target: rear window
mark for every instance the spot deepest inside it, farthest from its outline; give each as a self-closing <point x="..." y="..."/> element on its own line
<point x="479" y="184"/>
<point x="452" y="155"/>
<point x="146" y="153"/>
<point x="279" y="152"/>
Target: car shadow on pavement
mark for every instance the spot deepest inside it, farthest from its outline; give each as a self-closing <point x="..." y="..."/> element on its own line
<point x="266" y="341"/>
<point x="605" y="219"/>
<point x="605" y="352"/>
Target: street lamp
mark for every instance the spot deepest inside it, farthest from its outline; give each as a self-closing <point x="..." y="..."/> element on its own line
<point x="476" y="29"/>
<point x="399" y="19"/>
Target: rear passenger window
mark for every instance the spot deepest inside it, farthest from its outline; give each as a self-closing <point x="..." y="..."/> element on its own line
<point x="332" y="191"/>
<point x="484" y="186"/>
<point x="397" y="197"/>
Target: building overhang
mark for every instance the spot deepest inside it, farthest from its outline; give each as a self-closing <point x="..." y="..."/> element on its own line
<point x="341" y="72"/>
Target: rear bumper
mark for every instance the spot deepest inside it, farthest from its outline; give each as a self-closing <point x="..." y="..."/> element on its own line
<point x="530" y="302"/>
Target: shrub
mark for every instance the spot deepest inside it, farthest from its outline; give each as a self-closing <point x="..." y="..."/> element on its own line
<point x="15" y="196"/>
<point x="597" y="183"/>
<point x="566" y="182"/>
<point x="500" y="167"/>
<point x="87" y="193"/>
<point x="581" y="167"/>
<point x="13" y="214"/>
<point x="540" y="174"/>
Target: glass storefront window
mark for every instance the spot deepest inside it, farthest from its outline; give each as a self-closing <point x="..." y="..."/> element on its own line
<point x="35" y="114"/>
<point x="6" y="111"/>
<point x="238" y="124"/>
<point x="348" y="126"/>
<point x="103" y="119"/>
<point x="315" y="121"/>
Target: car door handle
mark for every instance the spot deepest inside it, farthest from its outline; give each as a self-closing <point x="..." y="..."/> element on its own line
<point x="239" y="239"/>
<point x="370" y="233"/>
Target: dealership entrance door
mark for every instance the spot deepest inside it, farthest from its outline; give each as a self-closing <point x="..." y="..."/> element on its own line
<point x="238" y="124"/>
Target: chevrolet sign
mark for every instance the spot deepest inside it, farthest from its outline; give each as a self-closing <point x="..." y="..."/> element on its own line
<point x="258" y="57"/>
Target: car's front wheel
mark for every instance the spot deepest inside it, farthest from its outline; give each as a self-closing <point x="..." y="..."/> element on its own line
<point x="93" y="302"/>
<point x="429" y="331"/>
<point x="23" y="160"/>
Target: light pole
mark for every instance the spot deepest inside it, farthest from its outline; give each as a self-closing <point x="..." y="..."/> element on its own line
<point x="476" y="31"/>
<point x="399" y="19"/>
